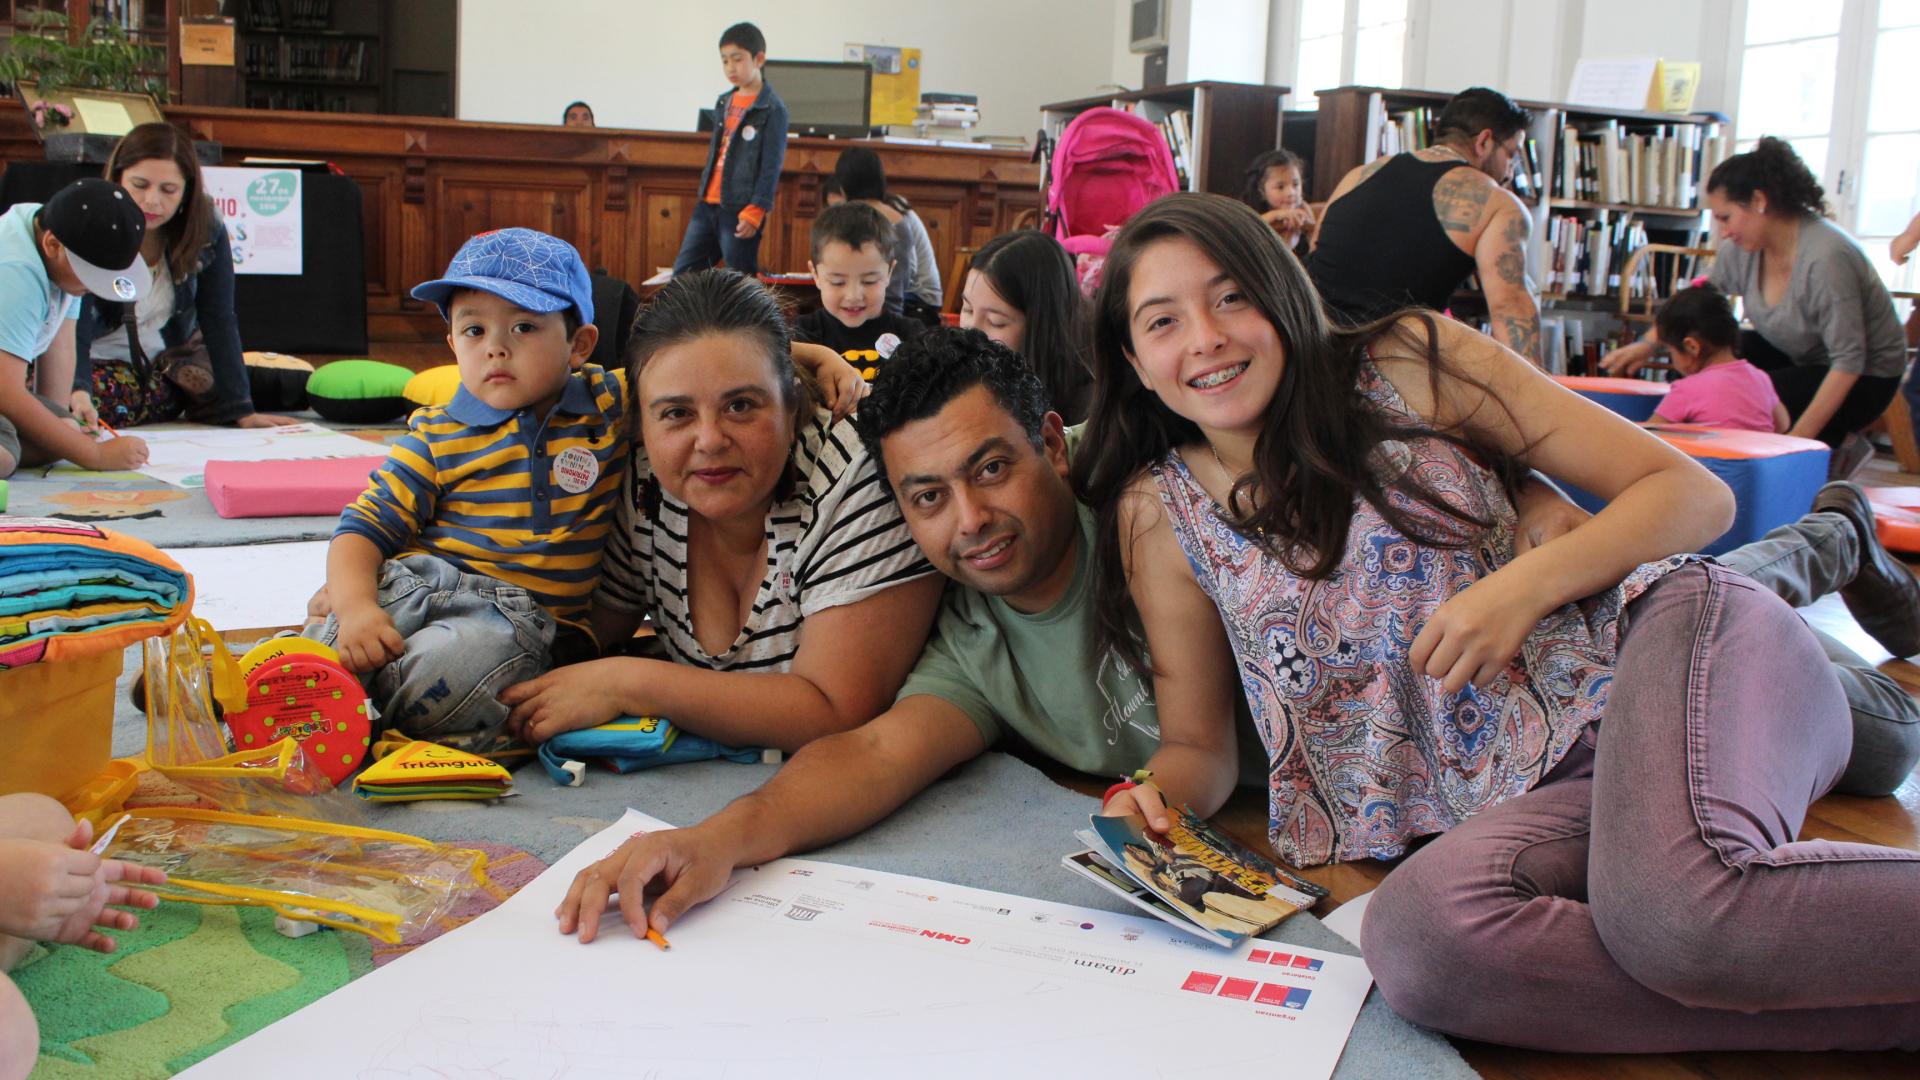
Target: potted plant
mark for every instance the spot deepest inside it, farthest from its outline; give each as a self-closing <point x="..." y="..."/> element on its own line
<point x="107" y="59"/>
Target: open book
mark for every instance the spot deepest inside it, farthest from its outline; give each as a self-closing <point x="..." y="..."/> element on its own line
<point x="1192" y="876"/>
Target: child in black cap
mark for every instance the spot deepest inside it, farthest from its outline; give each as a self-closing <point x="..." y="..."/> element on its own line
<point x="86" y="239"/>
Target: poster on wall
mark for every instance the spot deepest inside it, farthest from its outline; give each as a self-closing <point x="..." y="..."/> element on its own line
<point x="261" y="208"/>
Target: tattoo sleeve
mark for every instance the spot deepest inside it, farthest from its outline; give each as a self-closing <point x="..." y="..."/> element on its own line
<point x="1521" y="333"/>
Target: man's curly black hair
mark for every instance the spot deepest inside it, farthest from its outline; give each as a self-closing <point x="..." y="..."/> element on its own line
<point x="923" y="375"/>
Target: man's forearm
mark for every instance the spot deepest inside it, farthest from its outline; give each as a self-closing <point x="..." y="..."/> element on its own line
<point x="834" y="787"/>
<point x="1517" y="326"/>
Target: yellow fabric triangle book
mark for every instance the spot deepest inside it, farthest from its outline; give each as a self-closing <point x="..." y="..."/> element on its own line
<point x="425" y="770"/>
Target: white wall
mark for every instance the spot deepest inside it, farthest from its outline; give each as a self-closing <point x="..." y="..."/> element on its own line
<point x="1224" y="40"/>
<point x="1528" y="48"/>
<point x="655" y="64"/>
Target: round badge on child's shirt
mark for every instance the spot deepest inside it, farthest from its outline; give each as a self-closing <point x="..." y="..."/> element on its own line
<point x="885" y="344"/>
<point x="575" y="470"/>
<point x="748" y="133"/>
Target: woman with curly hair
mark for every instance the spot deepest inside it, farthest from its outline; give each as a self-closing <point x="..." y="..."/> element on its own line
<point x="1825" y="328"/>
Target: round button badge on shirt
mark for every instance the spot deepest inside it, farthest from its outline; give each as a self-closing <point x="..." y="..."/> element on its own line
<point x="575" y="470"/>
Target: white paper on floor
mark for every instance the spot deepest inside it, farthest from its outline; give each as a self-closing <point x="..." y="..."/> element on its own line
<point x="255" y="585"/>
<point x="179" y="454"/>
<point x="813" y="969"/>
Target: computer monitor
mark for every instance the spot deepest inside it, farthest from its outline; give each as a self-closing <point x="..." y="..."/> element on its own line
<point x="824" y="98"/>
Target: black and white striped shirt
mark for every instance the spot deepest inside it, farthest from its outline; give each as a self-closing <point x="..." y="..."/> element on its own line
<point x="839" y="538"/>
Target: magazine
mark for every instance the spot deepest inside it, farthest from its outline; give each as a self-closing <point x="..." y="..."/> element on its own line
<point x="1192" y="876"/>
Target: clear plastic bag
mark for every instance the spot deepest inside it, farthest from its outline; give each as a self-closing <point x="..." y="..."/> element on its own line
<point x="186" y="672"/>
<point x="382" y="884"/>
<point x="276" y="832"/>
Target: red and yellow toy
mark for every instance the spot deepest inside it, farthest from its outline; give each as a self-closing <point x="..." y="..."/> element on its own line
<point x="297" y="688"/>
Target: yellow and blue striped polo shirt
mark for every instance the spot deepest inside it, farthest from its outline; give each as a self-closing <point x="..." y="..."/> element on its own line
<point x="505" y="493"/>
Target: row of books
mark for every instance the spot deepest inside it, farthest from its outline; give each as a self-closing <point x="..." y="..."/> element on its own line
<point x="1662" y="166"/>
<point x="294" y="14"/>
<point x="1177" y="127"/>
<point x="302" y="99"/>
<point x="1589" y="253"/>
<point x="294" y="58"/>
<point x="1394" y="133"/>
<point x="1565" y="348"/>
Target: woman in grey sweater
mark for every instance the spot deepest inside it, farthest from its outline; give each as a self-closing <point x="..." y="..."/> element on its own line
<point x="1825" y="327"/>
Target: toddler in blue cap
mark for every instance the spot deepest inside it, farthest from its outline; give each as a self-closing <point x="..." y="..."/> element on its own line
<point x="482" y="532"/>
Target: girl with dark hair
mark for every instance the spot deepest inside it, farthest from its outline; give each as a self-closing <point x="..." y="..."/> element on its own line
<point x="1699" y="331"/>
<point x="1275" y="188"/>
<point x="858" y="176"/>
<point x="756" y="535"/>
<point x="1825" y="327"/>
<point x="1021" y="292"/>
<point x="175" y="351"/>
<point x="1328" y="514"/>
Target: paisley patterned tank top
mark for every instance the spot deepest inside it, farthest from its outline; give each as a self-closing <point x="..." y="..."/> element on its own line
<point x="1364" y="754"/>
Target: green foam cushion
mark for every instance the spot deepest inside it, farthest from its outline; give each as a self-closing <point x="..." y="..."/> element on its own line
<point x="359" y="391"/>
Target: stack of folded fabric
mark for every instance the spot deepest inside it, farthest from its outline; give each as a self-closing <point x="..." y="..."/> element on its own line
<point x="69" y="590"/>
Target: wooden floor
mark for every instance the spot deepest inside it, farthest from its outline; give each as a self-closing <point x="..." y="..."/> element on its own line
<point x="1893" y="821"/>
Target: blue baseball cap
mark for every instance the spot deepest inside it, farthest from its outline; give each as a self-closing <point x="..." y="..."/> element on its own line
<point x="522" y="266"/>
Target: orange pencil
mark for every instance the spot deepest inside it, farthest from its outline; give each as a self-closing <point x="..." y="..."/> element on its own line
<point x="656" y="937"/>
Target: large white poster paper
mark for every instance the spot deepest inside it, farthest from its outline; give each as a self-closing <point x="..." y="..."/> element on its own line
<point x="808" y="969"/>
<point x="262" y="210"/>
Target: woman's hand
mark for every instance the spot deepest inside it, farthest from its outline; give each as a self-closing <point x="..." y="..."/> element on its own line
<point x="566" y="699"/>
<point x="838" y="381"/>
<point x="1627" y="359"/>
<point x="260" y="420"/>
<point x="1474" y="636"/>
<point x="684" y="866"/>
<point x="82" y="407"/>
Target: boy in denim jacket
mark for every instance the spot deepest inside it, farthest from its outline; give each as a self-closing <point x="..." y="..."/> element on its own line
<point x="484" y="527"/>
<point x="743" y="162"/>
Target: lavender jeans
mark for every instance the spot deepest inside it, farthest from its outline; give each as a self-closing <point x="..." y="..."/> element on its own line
<point x="1650" y="896"/>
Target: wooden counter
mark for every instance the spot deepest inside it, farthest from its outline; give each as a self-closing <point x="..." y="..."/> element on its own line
<point x="621" y="197"/>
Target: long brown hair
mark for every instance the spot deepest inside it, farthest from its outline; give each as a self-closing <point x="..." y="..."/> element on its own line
<point x="192" y="225"/>
<point x="1316" y="455"/>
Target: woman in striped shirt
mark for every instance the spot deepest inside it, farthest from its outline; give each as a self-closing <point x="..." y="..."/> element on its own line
<point x="757" y="535"/>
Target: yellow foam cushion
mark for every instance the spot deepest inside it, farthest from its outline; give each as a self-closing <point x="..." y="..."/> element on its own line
<point x="434" y="386"/>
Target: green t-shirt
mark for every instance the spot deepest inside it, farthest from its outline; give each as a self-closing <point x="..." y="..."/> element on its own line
<point x="1010" y="671"/>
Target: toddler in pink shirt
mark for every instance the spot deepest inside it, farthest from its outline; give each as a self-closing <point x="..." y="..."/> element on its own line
<point x="1720" y="389"/>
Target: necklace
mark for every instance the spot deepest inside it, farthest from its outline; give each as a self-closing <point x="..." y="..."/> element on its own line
<point x="1224" y="471"/>
<point x="1259" y="534"/>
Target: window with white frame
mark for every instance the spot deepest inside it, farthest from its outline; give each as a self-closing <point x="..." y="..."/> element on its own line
<point x="1348" y="42"/>
<point x="1837" y="79"/>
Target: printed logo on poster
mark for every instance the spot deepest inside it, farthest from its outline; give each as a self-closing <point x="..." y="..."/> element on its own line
<point x="272" y="193"/>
